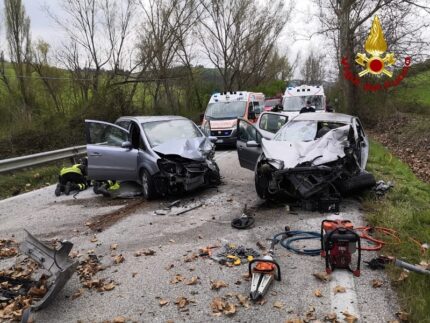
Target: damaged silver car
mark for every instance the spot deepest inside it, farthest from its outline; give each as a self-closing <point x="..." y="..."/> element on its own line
<point x="165" y="154"/>
<point x="313" y="156"/>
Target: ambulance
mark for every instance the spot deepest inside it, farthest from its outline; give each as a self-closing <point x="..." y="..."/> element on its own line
<point x="295" y="99"/>
<point x="220" y="118"/>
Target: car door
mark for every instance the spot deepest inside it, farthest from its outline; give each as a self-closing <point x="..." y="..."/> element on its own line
<point x="363" y="142"/>
<point x="110" y="154"/>
<point x="248" y="144"/>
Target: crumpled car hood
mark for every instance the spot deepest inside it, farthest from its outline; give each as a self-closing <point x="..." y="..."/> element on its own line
<point x="193" y="148"/>
<point x="330" y="147"/>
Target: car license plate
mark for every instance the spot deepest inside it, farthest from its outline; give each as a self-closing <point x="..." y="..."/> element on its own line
<point x="219" y="141"/>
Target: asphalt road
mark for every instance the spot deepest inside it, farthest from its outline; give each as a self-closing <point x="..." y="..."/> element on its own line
<point x="141" y="281"/>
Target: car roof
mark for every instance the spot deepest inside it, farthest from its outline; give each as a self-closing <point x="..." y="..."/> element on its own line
<point x="324" y="116"/>
<point x="145" y="119"/>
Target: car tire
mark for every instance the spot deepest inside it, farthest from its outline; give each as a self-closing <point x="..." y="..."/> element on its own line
<point x="362" y="181"/>
<point x="262" y="185"/>
<point x="148" y="186"/>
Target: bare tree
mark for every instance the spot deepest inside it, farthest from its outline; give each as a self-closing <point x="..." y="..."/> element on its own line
<point x="237" y="36"/>
<point x="346" y="22"/>
<point x="313" y="69"/>
<point x="97" y="33"/>
<point x="19" y="42"/>
<point x="163" y="35"/>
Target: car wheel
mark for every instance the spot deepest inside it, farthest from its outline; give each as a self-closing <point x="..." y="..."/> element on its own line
<point x="362" y="181"/>
<point x="262" y="185"/>
<point x="148" y="186"/>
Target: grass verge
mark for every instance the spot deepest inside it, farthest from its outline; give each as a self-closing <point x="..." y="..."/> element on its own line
<point x="406" y="208"/>
<point x="27" y="180"/>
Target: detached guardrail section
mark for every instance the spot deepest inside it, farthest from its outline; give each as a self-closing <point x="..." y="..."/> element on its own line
<point x="7" y="165"/>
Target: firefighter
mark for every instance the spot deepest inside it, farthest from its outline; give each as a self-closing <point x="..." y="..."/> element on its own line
<point x="72" y="178"/>
<point x="107" y="188"/>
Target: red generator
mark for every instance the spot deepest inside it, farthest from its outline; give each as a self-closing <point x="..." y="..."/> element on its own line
<point x="339" y="242"/>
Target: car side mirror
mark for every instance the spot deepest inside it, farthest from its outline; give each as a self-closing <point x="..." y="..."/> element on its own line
<point x="127" y="145"/>
<point x="252" y="143"/>
<point x="212" y="139"/>
<point x="251" y="115"/>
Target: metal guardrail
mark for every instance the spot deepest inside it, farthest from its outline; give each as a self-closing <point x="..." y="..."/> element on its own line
<point x="15" y="163"/>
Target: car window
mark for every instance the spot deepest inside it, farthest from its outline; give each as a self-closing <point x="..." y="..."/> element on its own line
<point x="296" y="103"/>
<point x="272" y="122"/>
<point x="106" y="134"/>
<point x="225" y="110"/>
<point x="308" y="130"/>
<point x="246" y="132"/>
<point x="123" y="124"/>
<point x="160" y="132"/>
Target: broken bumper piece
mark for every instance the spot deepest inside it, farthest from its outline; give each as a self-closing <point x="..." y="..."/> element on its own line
<point x="57" y="262"/>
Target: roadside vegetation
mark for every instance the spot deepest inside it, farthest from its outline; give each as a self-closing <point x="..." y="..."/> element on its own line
<point x="404" y="208"/>
<point x="27" y="180"/>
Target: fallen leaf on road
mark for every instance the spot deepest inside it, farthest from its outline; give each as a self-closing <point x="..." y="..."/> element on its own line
<point x="217" y="304"/>
<point x="94" y="239"/>
<point x="229" y="309"/>
<point x="172" y="241"/>
<point x="310" y="314"/>
<point x="194" y="280"/>
<point x="217" y="284"/>
<point x="331" y="317"/>
<point x="182" y="301"/>
<point x="403" y="316"/>
<point x="37" y="292"/>
<point x="350" y="318"/>
<point x="113" y="246"/>
<point x="118" y="259"/>
<point x="119" y="319"/>
<point x="149" y="252"/>
<point x="294" y="320"/>
<point x="108" y="287"/>
<point x="246" y="276"/>
<point x="377" y="283"/>
<point x="322" y="276"/>
<point x="262" y="301"/>
<point x="243" y="300"/>
<point x="178" y="278"/>
<point x="170" y="321"/>
<point x="279" y="305"/>
<point x="163" y="301"/>
<point x="191" y="257"/>
<point x="339" y="289"/>
<point x="318" y="293"/>
<point x="261" y="246"/>
<point x="78" y="293"/>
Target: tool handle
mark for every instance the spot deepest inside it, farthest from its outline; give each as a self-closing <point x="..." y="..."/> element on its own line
<point x="278" y="268"/>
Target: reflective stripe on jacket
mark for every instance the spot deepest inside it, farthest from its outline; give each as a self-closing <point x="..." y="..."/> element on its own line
<point x="74" y="169"/>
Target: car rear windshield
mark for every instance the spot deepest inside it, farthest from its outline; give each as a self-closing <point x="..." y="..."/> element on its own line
<point x="225" y="110"/>
<point x="159" y="132"/>
<point x="296" y="103"/>
<point x="271" y="103"/>
<point x="309" y="130"/>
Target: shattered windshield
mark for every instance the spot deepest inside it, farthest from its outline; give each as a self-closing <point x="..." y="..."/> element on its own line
<point x="297" y="131"/>
<point x="296" y="103"/>
<point x="225" y="110"/>
<point x="160" y="132"/>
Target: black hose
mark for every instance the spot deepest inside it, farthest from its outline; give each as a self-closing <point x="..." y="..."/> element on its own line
<point x="287" y="238"/>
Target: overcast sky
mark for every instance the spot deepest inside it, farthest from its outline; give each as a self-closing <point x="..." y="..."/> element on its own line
<point x="294" y="39"/>
<point x="43" y="27"/>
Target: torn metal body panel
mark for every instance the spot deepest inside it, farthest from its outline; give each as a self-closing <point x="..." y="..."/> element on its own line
<point x="56" y="262"/>
<point x="186" y="165"/>
<point x="317" y="156"/>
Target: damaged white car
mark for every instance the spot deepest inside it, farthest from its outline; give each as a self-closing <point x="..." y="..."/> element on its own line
<point x="315" y="156"/>
<point x="165" y="154"/>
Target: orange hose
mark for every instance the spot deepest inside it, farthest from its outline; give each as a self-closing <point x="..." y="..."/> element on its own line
<point x="378" y="243"/>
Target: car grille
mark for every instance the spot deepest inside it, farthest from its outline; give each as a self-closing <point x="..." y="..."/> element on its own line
<point x="221" y="133"/>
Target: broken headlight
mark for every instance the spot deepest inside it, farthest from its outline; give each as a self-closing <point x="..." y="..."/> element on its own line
<point x="278" y="164"/>
<point x="167" y="166"/>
